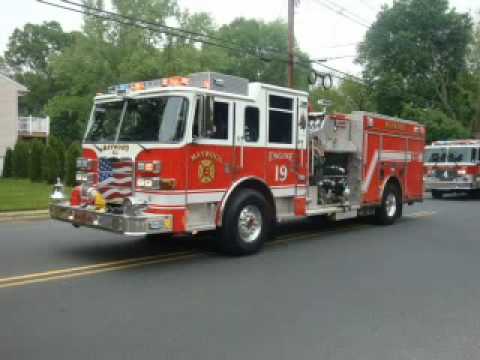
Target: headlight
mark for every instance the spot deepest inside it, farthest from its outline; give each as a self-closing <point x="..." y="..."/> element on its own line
<point x="84" y="164"/>
<point x="155" y="183"/>
<point x="84" y="177"/>
<point x="462" y="172"/>
<point x="150" y="166"/>
<point x="149" y="183"/>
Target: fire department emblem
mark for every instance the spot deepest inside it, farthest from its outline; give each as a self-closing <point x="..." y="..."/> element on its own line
<point x="206" y="171"/>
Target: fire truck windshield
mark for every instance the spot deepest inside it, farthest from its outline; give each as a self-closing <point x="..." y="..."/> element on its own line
<point x="159" y="119"/>
<point x="104" y="122"/>
<point x="450" y="154"/>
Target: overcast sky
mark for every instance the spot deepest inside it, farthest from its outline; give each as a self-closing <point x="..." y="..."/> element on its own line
<point x="321" y="32"/>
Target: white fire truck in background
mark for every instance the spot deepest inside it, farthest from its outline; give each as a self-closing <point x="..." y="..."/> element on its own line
<point x="452" y="167"/>
<point x="212" y="151"/>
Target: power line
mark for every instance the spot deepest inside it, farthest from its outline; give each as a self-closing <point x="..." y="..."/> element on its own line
<point x="336" y="46"/>
<point x="347" y="11"/>
<point x="336" y="58"/>
<point x="158" y="28"/>
<point x="182" y="33"/>
<point x="367" y="4"/>
<point x="342" y="12"/>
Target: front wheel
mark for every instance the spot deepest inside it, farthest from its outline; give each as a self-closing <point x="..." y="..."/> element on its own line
<point x="391" y="208"/>
<point x="247" y="223"/>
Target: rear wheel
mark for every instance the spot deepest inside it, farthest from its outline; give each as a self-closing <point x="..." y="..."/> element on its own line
<point x="391" y="208"/>
<point x="437" y="194"/>
<point x="246" y="224"/>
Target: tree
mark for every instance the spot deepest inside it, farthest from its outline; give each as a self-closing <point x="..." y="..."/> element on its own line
<point x="74" y="151"/>
<point x="28" y="54"/>
<point x="21" y="153"/>
<point x="68" y="116"/>
<point x="348" y="96"/>
<point x="29" y="49"/>
<point x="474" y="62"/>
<point x="8" y="164"/>
<point x="264" y="60"/>
<point x="35" y="161"/>
<point x="415" y="53"/>
<point x="439" y="126"/>
<point x="4" y="68"/>
<point x="50" y="168"/>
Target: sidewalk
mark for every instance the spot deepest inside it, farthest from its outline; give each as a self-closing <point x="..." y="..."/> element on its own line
<point x="23" y="215"/>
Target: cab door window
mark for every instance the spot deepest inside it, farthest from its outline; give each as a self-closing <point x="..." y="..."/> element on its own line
<point x="212" y="123"/>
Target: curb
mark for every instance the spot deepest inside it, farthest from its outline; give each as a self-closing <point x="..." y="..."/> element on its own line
<point x="23" y="215"/>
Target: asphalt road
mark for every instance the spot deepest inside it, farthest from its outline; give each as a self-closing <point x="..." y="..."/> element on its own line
<point x="348" y="291"/>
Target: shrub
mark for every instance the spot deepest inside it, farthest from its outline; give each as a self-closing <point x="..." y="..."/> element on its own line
<point x="36" y="160"/>
<point x="74" y="151"/>
<point x="8" y="163"/>
<point x="50" y="169"/>
<point x="21" y="153"/>
<point x="60" y="149"/>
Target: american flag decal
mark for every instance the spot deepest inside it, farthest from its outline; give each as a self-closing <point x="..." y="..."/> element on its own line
<point x="115" y="179"/>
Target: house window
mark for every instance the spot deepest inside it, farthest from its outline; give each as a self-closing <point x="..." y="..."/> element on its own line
<point x="280" y="120"/>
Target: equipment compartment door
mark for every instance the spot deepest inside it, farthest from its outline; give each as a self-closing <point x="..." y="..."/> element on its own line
<point x="282" y="157"/>
<point x="371" y="174"/>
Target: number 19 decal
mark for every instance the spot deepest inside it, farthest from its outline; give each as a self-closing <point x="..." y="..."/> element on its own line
<point x="281" y="173"/>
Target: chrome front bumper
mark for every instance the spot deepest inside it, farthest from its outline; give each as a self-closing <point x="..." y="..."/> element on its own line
<point x="122" y="224"/>
<point x="450" y="185"/>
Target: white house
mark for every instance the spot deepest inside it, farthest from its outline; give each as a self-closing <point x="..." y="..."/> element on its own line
<point x="10" y="91"/>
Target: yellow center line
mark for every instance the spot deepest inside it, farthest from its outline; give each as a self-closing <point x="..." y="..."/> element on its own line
<point x="27" y="281"/>
<point x="91" y="267"/>
<point x="78" y="271"/>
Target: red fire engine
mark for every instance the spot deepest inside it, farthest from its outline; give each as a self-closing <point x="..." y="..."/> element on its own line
<point x="452" y="166"/>
<point x="211" y="151"/>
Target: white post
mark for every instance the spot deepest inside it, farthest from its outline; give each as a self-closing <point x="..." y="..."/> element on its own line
<point x="30" y="125"/>
<point x="48" y="126"/>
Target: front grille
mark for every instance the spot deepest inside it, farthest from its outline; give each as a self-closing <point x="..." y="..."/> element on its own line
<point x="445" y="174"/>
<point x="115" y="179"/>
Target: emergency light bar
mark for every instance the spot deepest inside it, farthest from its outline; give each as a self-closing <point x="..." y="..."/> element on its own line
<point x="456" y="142"/>
<point x="205" y="80"/>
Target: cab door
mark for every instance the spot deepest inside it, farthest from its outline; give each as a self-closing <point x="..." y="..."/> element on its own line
<point x="249" y="145"/>
<point x="211" y="154"/>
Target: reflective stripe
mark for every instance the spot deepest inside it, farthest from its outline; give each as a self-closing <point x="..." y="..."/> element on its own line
<point x="370" y="171"/>
<point x="396" y="156"/>
<point x="180" y="199"/>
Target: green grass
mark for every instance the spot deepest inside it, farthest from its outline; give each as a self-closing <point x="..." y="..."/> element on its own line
<point x="19" y="194"/>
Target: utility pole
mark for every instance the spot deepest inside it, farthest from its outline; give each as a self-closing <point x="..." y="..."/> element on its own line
<point x="291" y="42"/>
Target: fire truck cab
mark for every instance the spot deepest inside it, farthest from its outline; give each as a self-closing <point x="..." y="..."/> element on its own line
<point x="215" y="152"/>
<point x="452" y="167"/>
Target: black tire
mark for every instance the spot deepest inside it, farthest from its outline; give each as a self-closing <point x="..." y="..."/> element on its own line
<point x="437" y="194"/>
<point x="474" y="194"/>
<point x="243" y="204"/>
<point x="157" y="237"/>
<point x="384" y="214"/>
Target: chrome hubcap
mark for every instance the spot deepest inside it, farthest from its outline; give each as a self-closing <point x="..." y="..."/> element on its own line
<point x="391" y="205"/>
<point x="250" y="223"/>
